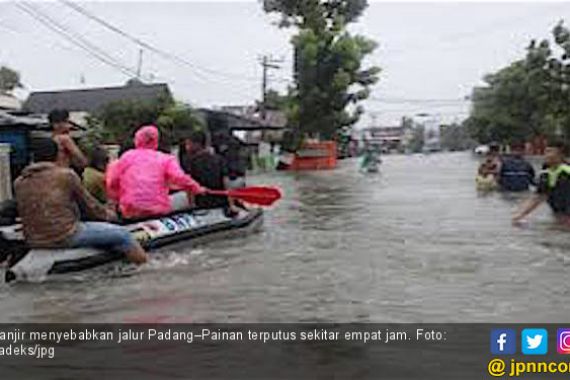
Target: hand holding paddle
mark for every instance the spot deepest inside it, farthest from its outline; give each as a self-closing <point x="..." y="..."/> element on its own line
<point x="259" y="195"/>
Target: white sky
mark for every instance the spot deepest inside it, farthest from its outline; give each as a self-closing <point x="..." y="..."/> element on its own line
<point x="428" y="52"/>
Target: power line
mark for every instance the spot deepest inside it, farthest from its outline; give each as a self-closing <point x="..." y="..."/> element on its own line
<point x="74" y="39"/>
<point x="388" y="100"/>
<point x="77" y="39"/>
<point x="162" y="53"/>
<point x="85" y="45"/>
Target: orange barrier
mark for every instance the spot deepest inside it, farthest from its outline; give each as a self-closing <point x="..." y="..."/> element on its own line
<point x="315" y="156"/>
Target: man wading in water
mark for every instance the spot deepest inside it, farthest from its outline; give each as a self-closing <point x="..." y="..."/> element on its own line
<point x="553" y="187"/>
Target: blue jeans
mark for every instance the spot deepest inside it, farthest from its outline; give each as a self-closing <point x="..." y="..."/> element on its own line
<point x="103" y="236"/>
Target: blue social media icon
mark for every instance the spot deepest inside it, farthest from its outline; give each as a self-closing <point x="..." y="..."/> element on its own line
<point x="503" y="342"/>
<point x="534" y="341"/>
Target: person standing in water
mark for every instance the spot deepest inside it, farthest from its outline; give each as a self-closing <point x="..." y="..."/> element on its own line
<point x="488" y="172"/>
<point x="553" y="186"/>
<point x="516" y="174"/>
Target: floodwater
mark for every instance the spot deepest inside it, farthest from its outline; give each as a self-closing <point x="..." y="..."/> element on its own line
<point x="415" y="243"/>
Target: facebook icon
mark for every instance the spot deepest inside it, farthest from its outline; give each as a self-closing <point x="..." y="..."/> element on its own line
<point x="503" y="342"/>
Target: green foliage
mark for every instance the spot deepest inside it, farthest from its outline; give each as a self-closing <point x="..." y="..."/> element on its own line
<point x="121" y="119"/>
<point x="9" y="80"/>
<point x="417" y="141"/>
<point x="275" y="101"/>
<point x="308" y="13"/>
<point x="528" y="98"/>
<point x="117" y="122"/>
<point x="178" y="121"/>
<point x="329" y="74"/>
<point x="94" y="136"/>
<point x="455" y="137"/>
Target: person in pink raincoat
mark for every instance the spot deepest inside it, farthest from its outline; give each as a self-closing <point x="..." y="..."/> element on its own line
<point x="140" y="181"/>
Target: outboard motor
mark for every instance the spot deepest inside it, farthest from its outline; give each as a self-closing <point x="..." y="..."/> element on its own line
<point x="10" y="250"/>
<point x="8" y="213"/>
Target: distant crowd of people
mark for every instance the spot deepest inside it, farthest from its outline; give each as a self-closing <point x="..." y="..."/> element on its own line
<point x="512" y="173"/>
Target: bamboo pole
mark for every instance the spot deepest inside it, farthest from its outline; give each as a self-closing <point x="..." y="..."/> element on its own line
<point x="5" y="176"/>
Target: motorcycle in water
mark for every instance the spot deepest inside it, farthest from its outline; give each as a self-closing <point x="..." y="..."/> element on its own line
<point x="370" y="161"/>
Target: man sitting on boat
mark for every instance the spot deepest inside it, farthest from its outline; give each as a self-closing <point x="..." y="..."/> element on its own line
<point x="94" y="174"/>
<point x="69" y="153"/>
<point x="49" y="200"/>
<point x="140" y="181"/>
<point x="209" y="169"/>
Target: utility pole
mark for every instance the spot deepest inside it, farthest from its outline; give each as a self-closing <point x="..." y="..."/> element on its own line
<point x="139" y="66"/>
<point x="267" y="63"/>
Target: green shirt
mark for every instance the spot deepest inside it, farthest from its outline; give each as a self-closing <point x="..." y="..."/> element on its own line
<point x="94" y="182"/>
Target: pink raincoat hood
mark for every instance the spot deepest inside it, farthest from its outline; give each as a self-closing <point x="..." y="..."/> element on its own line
<point x="141" y="179"/>
<point x="147" y="138"/>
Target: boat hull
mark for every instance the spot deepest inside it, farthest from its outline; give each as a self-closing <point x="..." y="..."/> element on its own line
<point x="184" y="227"/>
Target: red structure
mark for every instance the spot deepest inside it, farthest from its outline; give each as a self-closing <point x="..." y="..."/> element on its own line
<point x="315" y="156"/>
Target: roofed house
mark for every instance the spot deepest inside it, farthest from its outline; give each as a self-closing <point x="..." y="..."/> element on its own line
<point x="388" y="137"/>
<point x="83" y="102"/>
<point x="256" y="128"/>
<point x="9" y="102"/>
<point x="18" y="131"/>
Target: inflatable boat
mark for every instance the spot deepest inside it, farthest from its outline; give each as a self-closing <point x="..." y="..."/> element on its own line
<point x="36" y="264"/>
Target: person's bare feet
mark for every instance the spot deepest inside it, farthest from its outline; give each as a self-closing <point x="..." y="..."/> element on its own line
<point x="137" y="255"/>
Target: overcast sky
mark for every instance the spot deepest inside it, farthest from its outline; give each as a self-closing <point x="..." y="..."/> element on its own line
<point x="431" y="54"/>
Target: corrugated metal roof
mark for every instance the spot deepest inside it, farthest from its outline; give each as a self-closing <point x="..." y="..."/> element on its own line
<point x="7" y="119"/>
<point x="9" y="102"/>
<point x="92" y="99"/>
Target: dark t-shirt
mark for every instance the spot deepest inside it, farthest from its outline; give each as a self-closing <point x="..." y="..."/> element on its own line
<point x="209" y="171"/>
<point x="516" y="174"/>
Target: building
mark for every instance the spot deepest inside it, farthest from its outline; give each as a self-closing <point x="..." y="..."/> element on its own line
<point x="389" y="137"/>
<point x="255" y="129"/>
<point x="83" y="102"/>
<point x="9" y="103"/>
<point x="17" y="132"/>
<point x="268" y="128"/>
<point x="243" y="125"/>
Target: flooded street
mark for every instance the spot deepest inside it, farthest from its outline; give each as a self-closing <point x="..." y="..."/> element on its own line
<point x="413" y="244"/>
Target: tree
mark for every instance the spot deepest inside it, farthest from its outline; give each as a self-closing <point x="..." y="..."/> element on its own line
<point x="177" y="121"/>
<point x="275" y="101"/>
<point x="506" y="108"/>
<point x="118" y="121"/>
<point x="330" y="81"/>
<point x="528" y="98"/>
<point x="121" y="119"/>
<point x="454" y="137"/>
<point x="9" y="80"/>
<point x="417" y="141"/>
<point x="306" y="14"/>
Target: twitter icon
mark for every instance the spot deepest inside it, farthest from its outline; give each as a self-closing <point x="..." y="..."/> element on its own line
<point x="534" y="341"/>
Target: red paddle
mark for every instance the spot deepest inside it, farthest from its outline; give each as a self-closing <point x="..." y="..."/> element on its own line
<point x="259" y="195"/>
